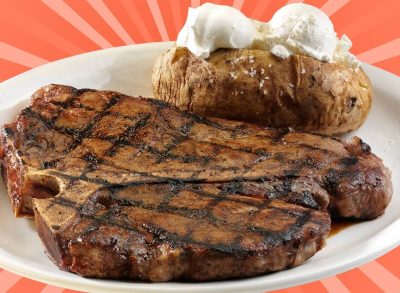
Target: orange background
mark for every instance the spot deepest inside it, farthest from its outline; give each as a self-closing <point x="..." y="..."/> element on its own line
<point x="36" y="32"/>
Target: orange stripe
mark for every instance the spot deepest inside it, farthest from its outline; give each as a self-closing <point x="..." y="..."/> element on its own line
<point x="172" y="15"/>
<point x="289" y="290"/>
<point x="66" y="12"/>
<point x="391" y="260"/>
<point x="259" y="9"/>
<point x="45" y="33"/>
<point x="356" y="281"/>
<point x="226" y="2"/>
<point x="373" y="18"/>
<point x="332" y="6"/>
<point x="238" y="4"/>
<point x="382" y="52"/>
<point x="381" y="277"/>
<point x="262" y="10"/>
<point x="177" y="18"/>
<point x="316" y="3"/>
<point x="350" y="12"/>
<point x="52" y="289"/>
<point x="10" y="69"/>
<point x="70" y="291"/>
<point x="294" y="1"/>
<point x="294" y="290"/>
<point x="102" y="9"/>
<point x="19" y="56"/>
<point x="91" y="16"/>
<point x="137" y="20"/>
<point x="315" y="287"/>
<point x="20" y="38"/>
<point x="124" y="19"/>
<point x="333" y="284"/>
<point x="26" y="285"/>
<point x="41" y="12"/>
<point x="7" y="280"/>
<point x="372" y="36"/>
<point x="194" y="3"/>
<point x="158" y="19"/>
<point x="142" y="8"/>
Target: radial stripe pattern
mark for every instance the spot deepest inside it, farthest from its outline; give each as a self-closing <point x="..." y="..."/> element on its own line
<point x="19" y="56"/>
<point x="51" y="289"/>
<point x="382" y="52"/>
<point x="333" y="284"/>
<point x="381" y="276"/>
<point x="295" y="1"/>
<point x="260" y="9"/>
<point x="195" y="3"/>
<point x="158" y="18"/>
<point x="109" y="17"/>
<point x="38" y="32"/>
<point x="66" y="12"/>
<point x="137" y="20"/>
<point x="41" y="31"/>
<point x="332" y="6"/>
<point x="238" y="4"/>
<point x="7" y="280"/>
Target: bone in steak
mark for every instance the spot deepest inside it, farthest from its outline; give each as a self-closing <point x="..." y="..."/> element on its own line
<point x="125" y="187"/>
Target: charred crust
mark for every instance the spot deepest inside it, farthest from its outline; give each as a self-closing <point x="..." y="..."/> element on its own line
<point x="332" y="179"/>
<point x="365" y="147"/>
<point x="158" y="103"/>
<point x="197" y="198"/>
<point x="49" y="164"/>
<point x="349" y="161"/>
<point x="8" y="131"/>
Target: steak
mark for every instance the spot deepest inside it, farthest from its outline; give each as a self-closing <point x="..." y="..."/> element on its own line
<point x="132" y="188"/>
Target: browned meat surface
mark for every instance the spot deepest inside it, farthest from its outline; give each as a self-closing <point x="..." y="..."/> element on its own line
<point x="162" y="232"/>
<point x="132" y="188"/>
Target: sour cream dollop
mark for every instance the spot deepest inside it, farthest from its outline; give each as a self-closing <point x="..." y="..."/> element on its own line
<point x="294" y="29"/>
<point x="210" y="27"/>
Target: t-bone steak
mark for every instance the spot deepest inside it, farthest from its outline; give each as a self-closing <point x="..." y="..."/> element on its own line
<point x="131" y="188"/>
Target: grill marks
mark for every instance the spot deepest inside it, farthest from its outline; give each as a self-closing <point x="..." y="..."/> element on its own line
<point x="181" y="134"/>
<point x="178" y="223"/>
<point x="121" y="130"/>
<point x="128" y="135"/>
<point x="183" y="141"/>
<point x="201" y="198"/>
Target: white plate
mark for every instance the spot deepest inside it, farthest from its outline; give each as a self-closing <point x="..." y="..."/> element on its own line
<point x="128" y="70"/>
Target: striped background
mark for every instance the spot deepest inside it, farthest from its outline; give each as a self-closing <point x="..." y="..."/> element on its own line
<point x="34" y="32"/>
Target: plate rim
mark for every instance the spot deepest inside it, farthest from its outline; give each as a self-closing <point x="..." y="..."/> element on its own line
<point x="85" y="284"/>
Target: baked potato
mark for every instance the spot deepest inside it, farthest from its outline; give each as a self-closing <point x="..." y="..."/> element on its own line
<point x="255" y="86"/>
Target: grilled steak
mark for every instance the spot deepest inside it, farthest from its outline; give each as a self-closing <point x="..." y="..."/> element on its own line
<point x="132" y="188"/>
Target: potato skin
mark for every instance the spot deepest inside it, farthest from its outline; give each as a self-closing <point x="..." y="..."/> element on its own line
<point x="255" y="86"/>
